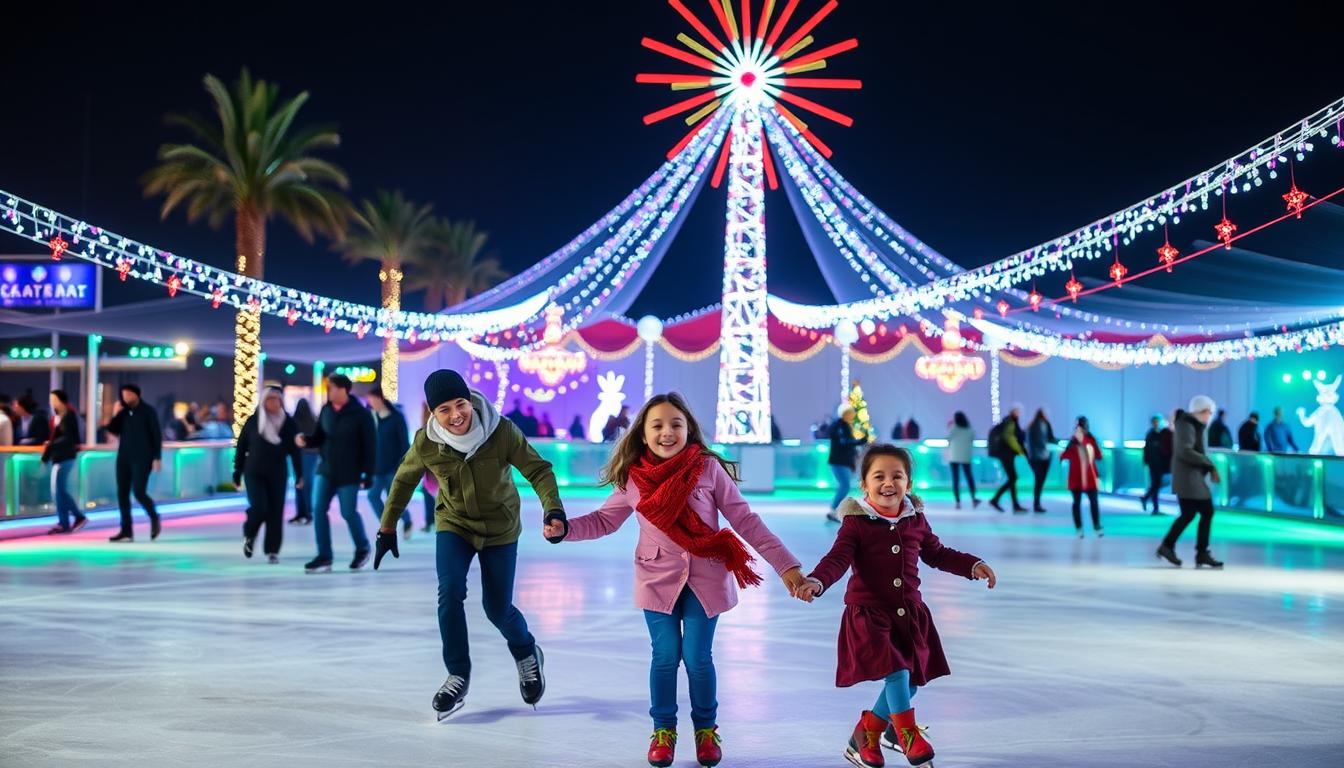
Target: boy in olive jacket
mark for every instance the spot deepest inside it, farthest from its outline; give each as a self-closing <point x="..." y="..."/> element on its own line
<point x="470" y="449"/>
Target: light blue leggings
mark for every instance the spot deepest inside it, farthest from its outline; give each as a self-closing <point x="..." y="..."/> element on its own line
<point x="896" y="694"/>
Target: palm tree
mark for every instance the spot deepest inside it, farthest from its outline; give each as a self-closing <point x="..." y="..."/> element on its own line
<point x="452" y="268"/>
<point x="391" y="230"/>
<point x="251" y="162"/>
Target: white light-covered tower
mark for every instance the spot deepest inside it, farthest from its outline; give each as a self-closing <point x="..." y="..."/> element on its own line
<point x="744" y="351"/>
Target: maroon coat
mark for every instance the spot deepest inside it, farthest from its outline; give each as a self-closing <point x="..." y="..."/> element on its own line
<point x="886" y="626"/>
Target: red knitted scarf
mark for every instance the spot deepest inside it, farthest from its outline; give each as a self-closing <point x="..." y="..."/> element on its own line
<point x="664" y="490"/>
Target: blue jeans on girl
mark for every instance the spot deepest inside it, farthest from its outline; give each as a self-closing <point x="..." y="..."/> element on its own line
<point x="685" y="635"/>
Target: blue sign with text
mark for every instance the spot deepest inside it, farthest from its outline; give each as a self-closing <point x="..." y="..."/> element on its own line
<point x="47" y="285"/>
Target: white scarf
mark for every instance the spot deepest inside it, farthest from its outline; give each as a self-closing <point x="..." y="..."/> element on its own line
<point x="268" y="425"/>
<point x="465" y="444"/>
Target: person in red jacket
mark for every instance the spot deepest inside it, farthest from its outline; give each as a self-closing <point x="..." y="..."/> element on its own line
<point x="1082" y="454"/>
<point x="887" y="632"/>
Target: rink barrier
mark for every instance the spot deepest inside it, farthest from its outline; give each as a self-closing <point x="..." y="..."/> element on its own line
<point x="1289" y="485"/>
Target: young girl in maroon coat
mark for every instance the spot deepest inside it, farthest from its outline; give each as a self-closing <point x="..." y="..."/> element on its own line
<point x="887" y="632"/>
<point x="687" y="567"/>
<point x="1082" y="454"/>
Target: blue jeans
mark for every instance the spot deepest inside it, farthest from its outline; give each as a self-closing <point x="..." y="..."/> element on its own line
<point x="896" y="694"/>
<point x="303" y="500"/>
<point x="452" y="559"/>
<point x="378" y="496"/>
<point x="843" y="477"/>
<point x="60" y="493"/>
<point x="348" y="495"/>
<point x="685" y="635"/>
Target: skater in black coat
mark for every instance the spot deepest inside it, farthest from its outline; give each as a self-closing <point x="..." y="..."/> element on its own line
<point x="266" y="441"/>
<point x="139" y="449"/>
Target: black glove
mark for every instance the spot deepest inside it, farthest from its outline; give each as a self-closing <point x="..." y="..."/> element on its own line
<point x="366" y="483"/>
<point x="387" y="542"/>
<point x="237" y="479"/>
<point x="556" y="514"/>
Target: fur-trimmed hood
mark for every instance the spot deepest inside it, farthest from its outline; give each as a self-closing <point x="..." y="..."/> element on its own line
<point x="852" y="507"/>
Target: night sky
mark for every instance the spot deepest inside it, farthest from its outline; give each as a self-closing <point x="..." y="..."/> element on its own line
<point x="980" y="131"/>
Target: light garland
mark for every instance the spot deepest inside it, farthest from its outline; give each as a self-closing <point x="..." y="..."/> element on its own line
<point x="1149" y="353"/>
<point x="844" y="370"/>
<point x="648" y="370"/>
<point x="995" y="411"/>
<point x="1242" y="171"/>
<point x="178" y="274"/>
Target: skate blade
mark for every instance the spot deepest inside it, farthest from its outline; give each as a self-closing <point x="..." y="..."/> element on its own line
<point x="854" y="759"/>
<point x="441" y="716"/>
<point x="323" y="569"/>
<point x="893" y="746"/>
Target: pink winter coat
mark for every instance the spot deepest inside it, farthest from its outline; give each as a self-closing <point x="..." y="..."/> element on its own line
<point x="662" y="568"/>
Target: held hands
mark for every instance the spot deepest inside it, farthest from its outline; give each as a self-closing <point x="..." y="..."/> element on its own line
<point x="1214" y="474"/>
<point x="387" y="542"/>
<point x="793" y="579"/>
<point x="555" y="526"/>
<point x="807" y="591"/>
<point x="983" y="571"/>
<point x="300" y="440"/>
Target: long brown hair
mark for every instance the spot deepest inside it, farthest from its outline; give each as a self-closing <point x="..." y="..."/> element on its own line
<point x="631" y="446"/>
<point x="896" y="452"/>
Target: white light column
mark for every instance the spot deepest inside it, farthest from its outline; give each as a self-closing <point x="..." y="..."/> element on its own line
<point x="744" y="364"/>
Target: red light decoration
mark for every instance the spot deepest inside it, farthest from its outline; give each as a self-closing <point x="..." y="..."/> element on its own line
<point x="1073" y="287"/>
<point x="216" y="298"/>
<point x="174" y="283"/>
<point x="1118" y="271"/>
<point x="1034" y="298"/>
<point x="58" y="247"/>
<point x="1002" y="306"/>
<point x="1225" y="229"/>
<point x="757" y="65"/>
<point x="979" y="314"/>
<point x="1295" y="198"/>
<point x="292" y="316"/>
<point x="328" y="324"/>
<point x="123" y="269"/>
<point x="1167" y="254"/>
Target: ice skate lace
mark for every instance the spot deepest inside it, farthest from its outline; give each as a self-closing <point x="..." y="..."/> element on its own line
<point x="664" y="737"/>
<point x="527" y="670"/>
<point x="707" y="734"/>
<point x="453" y="685"/>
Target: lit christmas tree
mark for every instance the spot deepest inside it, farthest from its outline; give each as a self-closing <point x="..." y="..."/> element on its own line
<point x="863" y="426"/>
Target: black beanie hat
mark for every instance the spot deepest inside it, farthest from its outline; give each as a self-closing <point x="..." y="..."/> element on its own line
<point x="444" y="385"/>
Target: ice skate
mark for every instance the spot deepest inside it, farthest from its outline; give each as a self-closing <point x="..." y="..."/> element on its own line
<point x="663" y="747"/>
<point x="451" y="696"/>
<point x="863" y="749"/>
<point x="1206" y="560"/>
<point x="707" y="750"/>
<point x="532" y="677"/>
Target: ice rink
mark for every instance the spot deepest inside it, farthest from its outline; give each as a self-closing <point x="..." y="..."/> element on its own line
<point x="1089" y="653"/>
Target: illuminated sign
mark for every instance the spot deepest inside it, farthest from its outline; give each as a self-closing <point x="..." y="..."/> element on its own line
<point x="47" y="285"/>
<point x="950" y="368"/>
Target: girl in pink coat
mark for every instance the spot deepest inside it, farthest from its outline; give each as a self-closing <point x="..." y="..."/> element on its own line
<point x="687" y="568"/>
<point x="887" y="631"/>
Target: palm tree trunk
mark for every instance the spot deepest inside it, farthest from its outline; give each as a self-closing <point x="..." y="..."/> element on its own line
<point x="390" y="277"/>
<point x="251" y="242"/>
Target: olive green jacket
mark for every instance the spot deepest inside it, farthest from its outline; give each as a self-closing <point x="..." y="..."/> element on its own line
<point x="477" y="497"/>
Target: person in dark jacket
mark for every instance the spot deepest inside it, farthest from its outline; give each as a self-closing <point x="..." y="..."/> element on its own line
<point x="1278" y="437"/>
<point x="1040" y="438"/>
<point x="844" y="449"/>
<point x="1157" y="458"/>
<point x="1220" y="435"/>
<point x="393" y="442"/>
<point x="1007" y="450"/>
<point x="30" y="423"/>
<point x="348" y="441"/>
<point x="306" y="424"/>
<point x="576" y="428"/>
<point x="1190" y="465"/>
<point x="266" y="441"/>
<point x="1248" y="434"/>
<point x="139" y="449"/>
<point x="60" y="452"/>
